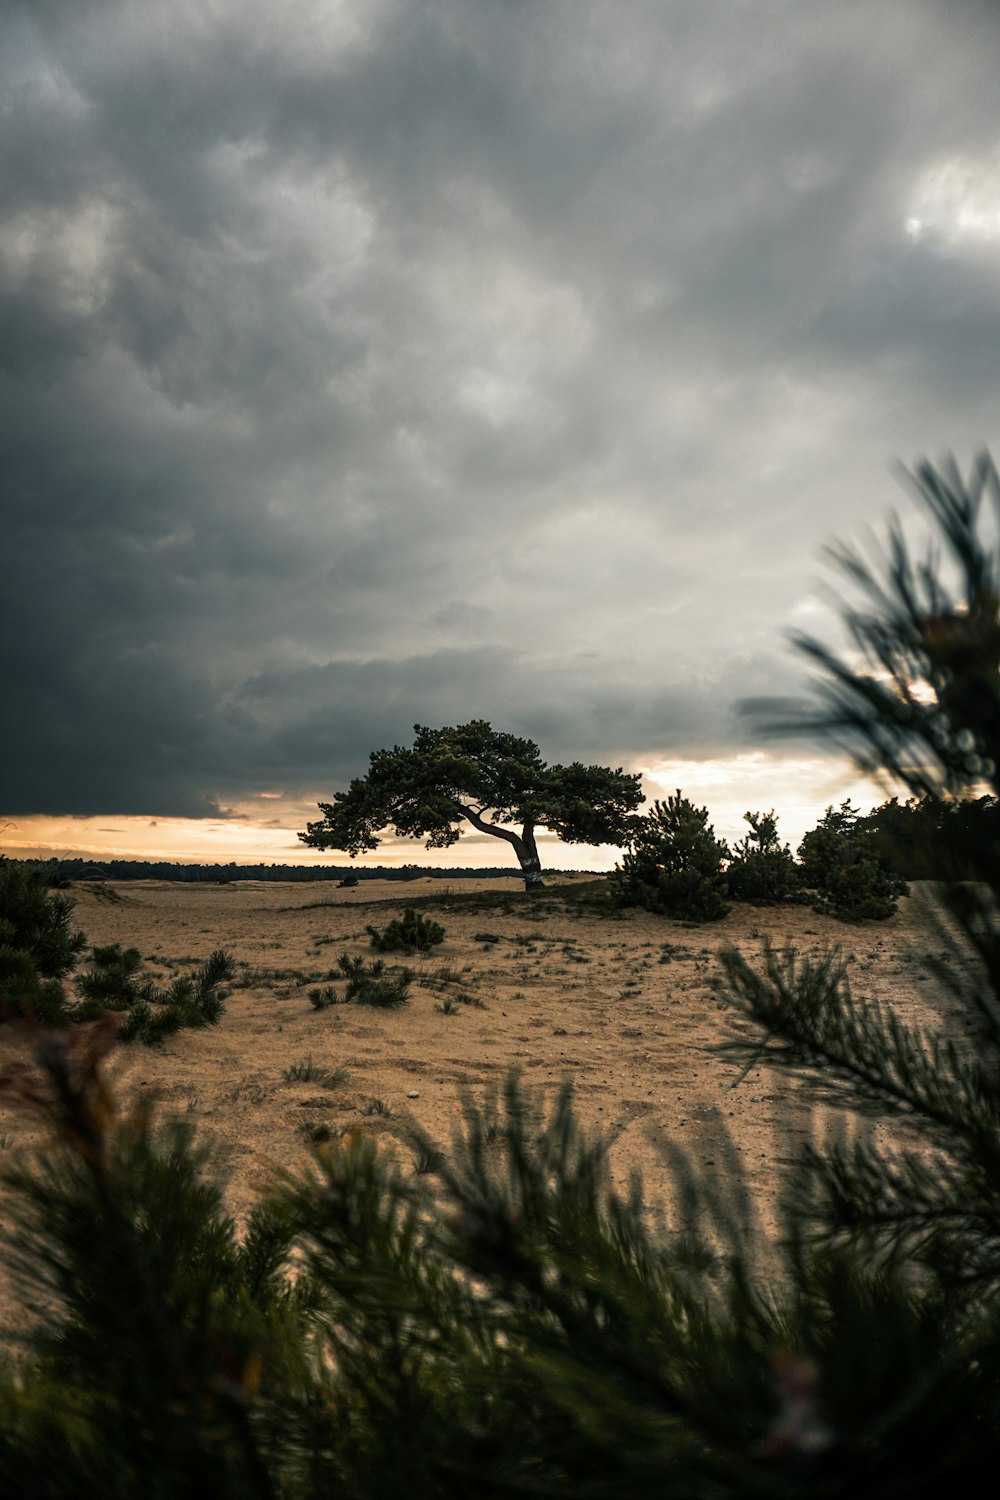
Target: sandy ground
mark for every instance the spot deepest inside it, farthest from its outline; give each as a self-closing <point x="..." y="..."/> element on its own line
<point x="629" y="1006"/>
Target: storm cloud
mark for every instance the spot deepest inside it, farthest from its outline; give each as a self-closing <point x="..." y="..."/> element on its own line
<point x="364" y="364"/>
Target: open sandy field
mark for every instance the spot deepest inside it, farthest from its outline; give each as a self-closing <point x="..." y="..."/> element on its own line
<point x="629" y="1006"/>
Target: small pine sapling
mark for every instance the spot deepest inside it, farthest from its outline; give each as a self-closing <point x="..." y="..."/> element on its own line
<point x="841" y="862"/>
<point x="115" y="982"/>
<point x="761" y="870"/>
<point x="38" y="947"/>
<point x="411" y="933"/>
<point x="675" y="864"/>
<point x="373" y="984"/>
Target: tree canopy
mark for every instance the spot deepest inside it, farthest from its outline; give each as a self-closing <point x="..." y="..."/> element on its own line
<point x="475" y="774"/>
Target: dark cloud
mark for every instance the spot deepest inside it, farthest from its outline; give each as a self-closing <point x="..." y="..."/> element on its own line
<point x="428" y="362"/>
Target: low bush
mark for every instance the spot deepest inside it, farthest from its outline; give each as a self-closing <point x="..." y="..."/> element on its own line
<point x="115" y="982"/>
<point x="373" y="983"/>
<point x="411" y="933"/>
<point x="23" y="991"/>
<point x="38" y="947"/>
<point x="321" y="997"/>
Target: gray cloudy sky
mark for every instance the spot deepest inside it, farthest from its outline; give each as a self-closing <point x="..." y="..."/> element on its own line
<point x="366" y="363"/>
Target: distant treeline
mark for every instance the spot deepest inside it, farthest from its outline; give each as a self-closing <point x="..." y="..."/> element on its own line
<point x="917" y="840"/>
<point x="162" y="869"/>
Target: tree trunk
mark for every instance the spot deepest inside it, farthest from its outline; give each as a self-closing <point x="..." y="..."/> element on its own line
<point x="523" y="845"/>
<point x="527" y="853"/>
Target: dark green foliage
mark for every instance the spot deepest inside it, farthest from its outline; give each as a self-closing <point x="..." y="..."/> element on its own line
<point x="321" y="997"/>
<point x="349" y="882"/>
<point x="411" y="933"/>
<point x="927" y="838"/>
<point x="34" y="921"/>
<point x="473" y="773"/>
<point x="926" y="707"/>
<point x="761" y="869"/>
<point x="145" y="1371"/>
<point x="497" y="1320"/>
<point x="115" y="982"/>
<point x="374" y="984"/>
<point x="24" y="993"/>
<point x="674" y="865"/>
<point x="841" y="863"/>
<point x="37" y="945"/>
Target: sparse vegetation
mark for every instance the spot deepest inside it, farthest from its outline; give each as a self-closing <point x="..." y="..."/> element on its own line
<point x="115" y="982"/>
<point x="308" y="1071"/>
<point x="373" y="984"/>
<point x="411" y="933"/>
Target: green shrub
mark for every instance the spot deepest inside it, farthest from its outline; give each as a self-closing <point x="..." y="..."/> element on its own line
<point x="373" y="984"/>
<point x="761" y="870"/>
<point x="840" y="861"/>
<point x="411" y="933"/>
<point x="115" y="980"/>
<point x="36" y="922"/>
<point x="674" y="865"/>
<point x="115" y="983"/>
<point x="23" y="992"/>
<point x="37" y="944"/>
<point x="321" y="997"/>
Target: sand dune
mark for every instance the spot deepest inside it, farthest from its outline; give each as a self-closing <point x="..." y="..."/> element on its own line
<point x="629" y="1006"/>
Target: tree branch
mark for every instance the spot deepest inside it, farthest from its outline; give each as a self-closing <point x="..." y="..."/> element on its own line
<point x="484" y="827"/>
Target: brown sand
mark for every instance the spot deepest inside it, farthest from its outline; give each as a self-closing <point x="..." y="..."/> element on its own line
<point x="628" y="1006"/>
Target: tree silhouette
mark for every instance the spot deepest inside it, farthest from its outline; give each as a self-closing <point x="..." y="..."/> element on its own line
<point x="495" y="782"/>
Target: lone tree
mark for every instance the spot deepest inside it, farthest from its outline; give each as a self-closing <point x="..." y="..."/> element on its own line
<point x="474" y="774"/>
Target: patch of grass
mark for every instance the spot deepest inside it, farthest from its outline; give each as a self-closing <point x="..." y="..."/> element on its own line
<point x="323" y="996"/>
<point x="251" y="1093"/>
<point x="373" y="984"/>
<point x="450" y="1006"/>
<point x="304" y="1072"/>
<point x="377" y="1107"/>
<point x="669" y="952"/>
<point x="254" y="977"/>
<point x="445" y="975"/>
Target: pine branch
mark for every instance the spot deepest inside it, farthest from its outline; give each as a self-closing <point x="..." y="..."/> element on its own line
<point x="860" y="1056"/>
